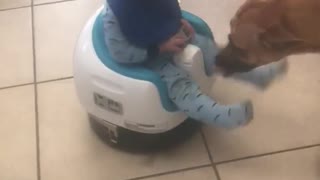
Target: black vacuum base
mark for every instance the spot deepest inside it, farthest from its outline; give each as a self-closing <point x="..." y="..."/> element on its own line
<point x="132" y="141"/>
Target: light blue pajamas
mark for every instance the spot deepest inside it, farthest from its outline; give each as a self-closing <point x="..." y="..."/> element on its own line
<point x="182" y="90"/>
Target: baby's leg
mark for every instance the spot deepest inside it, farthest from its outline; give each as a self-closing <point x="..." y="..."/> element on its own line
<point x="209" y="50"/>
<point x="264" y="75"/>
<point x="188" y="98"/>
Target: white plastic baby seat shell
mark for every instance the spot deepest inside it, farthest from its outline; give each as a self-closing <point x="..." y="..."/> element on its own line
<point x="123" y="101"/>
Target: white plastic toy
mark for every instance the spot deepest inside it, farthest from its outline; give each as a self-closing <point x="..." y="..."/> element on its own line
<point x="134" y="99"/>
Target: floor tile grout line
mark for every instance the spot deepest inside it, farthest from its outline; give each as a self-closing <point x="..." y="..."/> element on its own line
<point x="267" y="154"/>
<point x="206" y="145"/>
<point x="53" y="80"/>
<point x="54" y="2"/>
<point x="226" y="162"/>
<point x="40" y="4"/>
<point x="15" y="86"/>
<point x="214" y="166"/>
<point x="14" y="8"/>
<point x="171" y="172"/>
<point x="40" y="82"/>
<point x="37" y="135"/>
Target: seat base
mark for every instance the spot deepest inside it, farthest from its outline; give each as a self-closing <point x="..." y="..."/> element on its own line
<point x="136" y="142"/>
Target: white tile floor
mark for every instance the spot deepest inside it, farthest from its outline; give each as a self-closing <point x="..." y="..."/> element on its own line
<point x="45" y="133"/>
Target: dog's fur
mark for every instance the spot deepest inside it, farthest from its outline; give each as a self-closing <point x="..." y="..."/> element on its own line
<point x="264" y="31"/>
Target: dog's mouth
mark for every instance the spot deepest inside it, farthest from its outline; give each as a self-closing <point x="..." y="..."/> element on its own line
<point x="228" y="65"/>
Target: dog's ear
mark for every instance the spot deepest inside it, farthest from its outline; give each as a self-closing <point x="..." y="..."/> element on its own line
<point x="279" y="37"/>
<point x="276" y="34"/>
<point x="253" y="18"/>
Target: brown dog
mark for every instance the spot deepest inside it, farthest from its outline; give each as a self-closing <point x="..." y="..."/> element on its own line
<point x="264" y="31"/>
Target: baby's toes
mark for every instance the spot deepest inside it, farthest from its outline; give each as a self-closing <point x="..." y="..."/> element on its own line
<point x="248" y="111"/>
<point x="279" y="68"/>
<point x="284" y="66"/>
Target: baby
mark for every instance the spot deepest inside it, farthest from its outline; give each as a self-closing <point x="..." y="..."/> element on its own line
<point x="147" y="32"/>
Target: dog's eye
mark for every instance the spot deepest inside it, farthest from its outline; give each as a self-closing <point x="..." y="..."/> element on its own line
<point x="230" y="40"/>
<point x="266" y="44"/>
<point x="240" y="52"/>
<point x="244" y="53"/>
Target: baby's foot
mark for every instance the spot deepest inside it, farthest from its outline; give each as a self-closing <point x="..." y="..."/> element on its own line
<point x="270" y="72"/>
<point x="235" y="115"/>
<point x="263" y="76"/>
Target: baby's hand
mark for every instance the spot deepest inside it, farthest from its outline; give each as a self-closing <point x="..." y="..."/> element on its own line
<point x="188" y="28"/>
<point x="175" y="44"/>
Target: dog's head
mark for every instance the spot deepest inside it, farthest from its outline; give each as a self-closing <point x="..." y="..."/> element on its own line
<point x="259" y="35"/>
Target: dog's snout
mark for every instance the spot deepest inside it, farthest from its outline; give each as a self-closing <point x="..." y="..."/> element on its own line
<point x="222" y="65"/>
<point x="230" y="64"/>
<point x="219" y="60"/>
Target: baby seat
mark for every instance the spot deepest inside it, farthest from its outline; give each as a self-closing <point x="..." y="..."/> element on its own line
<point x="134" y="98"/>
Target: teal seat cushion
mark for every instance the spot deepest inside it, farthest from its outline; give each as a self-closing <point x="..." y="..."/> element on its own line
<point x="137" y="71"/>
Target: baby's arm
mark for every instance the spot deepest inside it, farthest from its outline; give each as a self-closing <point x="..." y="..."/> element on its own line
<point x="120" y="49"/>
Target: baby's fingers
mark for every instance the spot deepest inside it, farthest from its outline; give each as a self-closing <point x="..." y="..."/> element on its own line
<point x="177" y="49"/>
<point x="180" y="42"/>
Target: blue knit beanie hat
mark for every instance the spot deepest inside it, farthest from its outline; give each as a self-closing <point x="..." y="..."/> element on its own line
<point x="147" y="22"/>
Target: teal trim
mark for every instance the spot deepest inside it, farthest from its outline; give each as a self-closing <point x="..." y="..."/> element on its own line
<point x="200" y="26"/>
